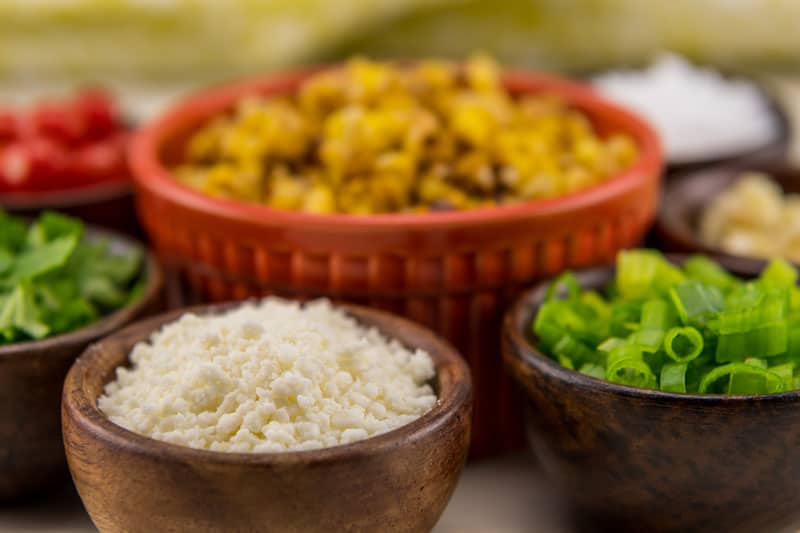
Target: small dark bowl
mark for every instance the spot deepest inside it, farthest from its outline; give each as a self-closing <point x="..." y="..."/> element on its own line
<point x="685" y="200"/>
<point x="774" y="149"/>
<point x="109" y="205"/>
<point x="627" y="459"/>
<point x="31" y="379"/>
<point x="399" y="481"/>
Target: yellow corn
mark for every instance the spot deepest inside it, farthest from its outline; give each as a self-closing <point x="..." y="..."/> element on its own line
<point x="376" y="137"/>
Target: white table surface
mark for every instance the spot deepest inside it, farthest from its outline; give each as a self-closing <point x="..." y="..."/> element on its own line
<point x="505" y="495"/>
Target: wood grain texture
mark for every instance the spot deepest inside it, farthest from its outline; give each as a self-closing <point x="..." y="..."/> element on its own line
<point x="626" y="459"/>
<point x="31" y="379"/>
<point x="396" y="482"/>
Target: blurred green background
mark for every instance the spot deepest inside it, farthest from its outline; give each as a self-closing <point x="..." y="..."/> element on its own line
<point x="214" y="39"/>
<point x="151" y="52"/>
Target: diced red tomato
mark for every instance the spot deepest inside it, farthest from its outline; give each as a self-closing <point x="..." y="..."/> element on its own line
<point x="8" y="126"/>
<point x="35" y="164"/>
<point x="98" y="111"/>
<point x="58" y="122"/>
<point x="65" y="144"/>
<point x="102" y="159"/>
<point x="15" y="167"/>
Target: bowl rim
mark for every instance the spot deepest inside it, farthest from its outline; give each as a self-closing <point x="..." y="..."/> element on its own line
<point x="683" y="235"/>
<point x="149" y="173"/>
<point x="520" y="352"/>
<point x="454" y="395"/>
<point x="108" y="189"/>
<point x="154" y="276"/>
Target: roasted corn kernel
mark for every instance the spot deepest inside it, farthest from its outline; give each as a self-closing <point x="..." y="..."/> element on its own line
<point x="378" y="138"/>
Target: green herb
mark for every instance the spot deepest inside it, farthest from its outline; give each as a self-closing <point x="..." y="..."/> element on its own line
<point x="694" y="328"/>
<point x="53" y="279"/>
<point x="673" y="377"/>
<point x="683" y="344"/>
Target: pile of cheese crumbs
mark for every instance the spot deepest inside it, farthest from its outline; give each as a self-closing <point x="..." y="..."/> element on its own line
<point x="271" y="376"/>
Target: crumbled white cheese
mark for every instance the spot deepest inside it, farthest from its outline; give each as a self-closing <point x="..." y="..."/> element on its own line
<point x="269" y="377"/>
<point x="699" y="113"/>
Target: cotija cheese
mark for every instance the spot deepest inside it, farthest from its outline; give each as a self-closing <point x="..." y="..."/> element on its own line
<point x="270" y="376"/>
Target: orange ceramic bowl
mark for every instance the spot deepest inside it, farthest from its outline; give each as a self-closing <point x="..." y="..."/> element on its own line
<point x="455" y="272"/>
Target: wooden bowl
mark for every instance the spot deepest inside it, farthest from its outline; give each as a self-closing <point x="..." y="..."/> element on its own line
<point x="31" y="379"/>
<point x="109" y="205"/>
<point x="627" y="459"/>
<point x="687" y="198"/>
<point x="770" y="150"/>
<point x="455" y="272"/>
<point x="399" y="481"/>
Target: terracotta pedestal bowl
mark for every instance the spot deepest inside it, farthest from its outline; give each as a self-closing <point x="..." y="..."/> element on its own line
<point x="455" y="272"/>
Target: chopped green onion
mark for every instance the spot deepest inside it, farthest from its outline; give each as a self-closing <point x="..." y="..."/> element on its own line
<point x="744" y="296"/>
<point x="631" y="371"/>
<point x="786" y="372"/>
<point x="611" y="343"/>
<point x="708" y="272"/>
<point x="594" y="370"/>
<point x="571" y="317"/>
<point x="636" y="272"/>
<point x="779" y="273"/>
<point x="760" y="331"/>
<point x="690" y="329"/>
<point x="572" y="349"/>
<point x="548" y="332"/>
<point x="556" y="318"/>
<point x="695" y="302"/>
<point x="657" y="317"/>
<point x="568" y="280"/>
<point x="655" y="360"/>
<point x="594" y="301"/>
<point x="649" y="340"/>
<point x="683" y="344"/>
<point x="755" y="361"/>
<point x="624" y="318"/>
<point x="623" y="351"/>
<point x="762" y="382"/>
<point x="673" y="377"/>
<point x="566" y="362"/>
<point x="639" y="271"/>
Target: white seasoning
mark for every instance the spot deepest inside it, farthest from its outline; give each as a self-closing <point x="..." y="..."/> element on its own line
<point x="698" y="113"/>
<point x="269" y="377"/>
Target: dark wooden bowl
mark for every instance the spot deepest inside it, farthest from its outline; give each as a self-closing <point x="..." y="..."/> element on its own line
<point x="31" y="379"/>
<point x="772" y="150"/>
<point x="686" y="198"/>
<point x="627" y="459"/>
<point x="109" y="205"/>
<point x="398" y="481"/>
